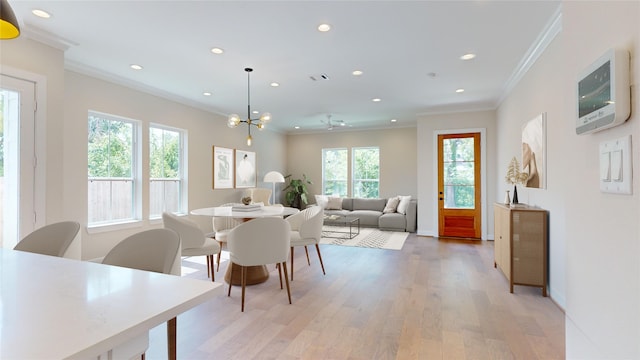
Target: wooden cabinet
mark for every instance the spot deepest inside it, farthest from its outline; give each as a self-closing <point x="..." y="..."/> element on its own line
<point x="520" y="245"/>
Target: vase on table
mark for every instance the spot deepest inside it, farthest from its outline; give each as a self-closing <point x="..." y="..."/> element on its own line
<point x="507" y="199"/>
<point x="515" y="194"/>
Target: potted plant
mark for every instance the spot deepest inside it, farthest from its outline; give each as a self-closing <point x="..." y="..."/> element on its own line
<point x="515" y="176"/>
<point x="296" y="191"/>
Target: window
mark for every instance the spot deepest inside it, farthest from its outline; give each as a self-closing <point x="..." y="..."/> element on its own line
<point x="334" y="172"/>
<point x="112" y="169"/>
<point x="366" y="172"/>
<point x="166" y="174"/>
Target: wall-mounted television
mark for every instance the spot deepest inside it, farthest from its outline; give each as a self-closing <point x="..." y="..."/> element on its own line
<point x="604" y="93"/>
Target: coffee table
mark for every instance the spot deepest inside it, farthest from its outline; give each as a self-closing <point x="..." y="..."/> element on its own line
<point x="341" y="220"/>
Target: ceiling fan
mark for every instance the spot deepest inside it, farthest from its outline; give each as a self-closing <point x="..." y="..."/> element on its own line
<point x="333" y="123"/>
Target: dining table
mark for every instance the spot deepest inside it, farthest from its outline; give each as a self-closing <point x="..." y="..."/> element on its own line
<point x="59" y="308"/>
<point x="255" y="274"/>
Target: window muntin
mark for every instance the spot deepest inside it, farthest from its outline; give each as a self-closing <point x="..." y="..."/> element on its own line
<point x="112" y="169"/>
<point x="334" y="172"/>
<point x="166" y="171"/>
<point x="366" y="172"/>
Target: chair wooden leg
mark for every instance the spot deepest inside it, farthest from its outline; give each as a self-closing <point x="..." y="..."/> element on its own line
<point x="211" y="270"/>
<point x="307" y="252"/>
<point x="208" y="266"/>
<point x="244" y="283"/>
<point x="171" y="338"/>
<point x="320" y="257"/>
<point x="219" y="260"/>
<point x="291" y="264"/>
<point x="280" y="274"/>
<point x="284" y="265"/>
<point x="230" y="277"/>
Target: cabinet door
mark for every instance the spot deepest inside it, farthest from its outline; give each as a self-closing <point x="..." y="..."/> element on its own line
<point x="502" y="239"/>
<point x="528" y="247"/>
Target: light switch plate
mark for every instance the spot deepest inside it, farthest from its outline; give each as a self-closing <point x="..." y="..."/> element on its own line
<point x="616" y="166"/>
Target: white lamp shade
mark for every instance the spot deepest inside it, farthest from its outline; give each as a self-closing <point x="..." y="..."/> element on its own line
<point x="273" y="177"/>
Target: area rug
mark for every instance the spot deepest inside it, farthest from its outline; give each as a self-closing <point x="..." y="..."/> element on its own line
<point x="368" y="237"/>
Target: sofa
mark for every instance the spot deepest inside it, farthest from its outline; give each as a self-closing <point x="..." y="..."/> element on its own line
<point x="371" y="212"/>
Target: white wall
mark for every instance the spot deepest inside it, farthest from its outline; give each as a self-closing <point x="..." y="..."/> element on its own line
<point x="428" y="125"/>
<point x="593" y="239"/>
<point x="397" y="157"/>
<point x="71" y="95"/>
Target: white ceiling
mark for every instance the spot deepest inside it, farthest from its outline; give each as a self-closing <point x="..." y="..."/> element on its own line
<point x="399" y="45"/>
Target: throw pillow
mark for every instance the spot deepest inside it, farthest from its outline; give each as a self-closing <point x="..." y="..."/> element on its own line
<point x="334" y="203"/>
<point x="392" y="205"/>
<point x="321" y="200"/>
<point x="404" y="204"/>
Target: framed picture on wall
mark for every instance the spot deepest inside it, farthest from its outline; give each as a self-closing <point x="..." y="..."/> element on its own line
<point x="534" y="152"/>
<point x="245" y="169"/>
<point x="223" y="165"/>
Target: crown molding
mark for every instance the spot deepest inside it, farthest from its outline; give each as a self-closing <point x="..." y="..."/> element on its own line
<point x="548" y="34"/>
<point x="43" y="36"/>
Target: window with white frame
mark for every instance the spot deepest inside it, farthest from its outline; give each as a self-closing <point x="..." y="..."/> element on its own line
<point x="166" y="170"/>
<point x="334" y="172"/>
<point x="113" y="168"/>
<point x="365" y="172"/>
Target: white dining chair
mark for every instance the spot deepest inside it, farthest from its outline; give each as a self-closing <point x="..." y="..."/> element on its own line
<point x="222" y="225"/>
<point x="306" y="229"/>
<point x="156" y="250"/>
<point x="53" y="239"/>
<point x="194" y="241"/>
<point x="259" y="242"/>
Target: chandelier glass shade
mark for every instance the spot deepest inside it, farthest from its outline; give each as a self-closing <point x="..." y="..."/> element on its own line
<point x="234" y="119"/>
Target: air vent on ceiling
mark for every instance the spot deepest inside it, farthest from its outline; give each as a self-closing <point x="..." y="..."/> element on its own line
<point x="322" y="76"/>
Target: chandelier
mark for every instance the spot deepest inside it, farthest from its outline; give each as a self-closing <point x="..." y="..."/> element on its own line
<point x="234" y="119"/>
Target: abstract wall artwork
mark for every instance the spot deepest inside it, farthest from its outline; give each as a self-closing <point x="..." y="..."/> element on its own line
<point x="245" y="169"/>
<point x="534" y="151"/>
<point x="223" y="165"/>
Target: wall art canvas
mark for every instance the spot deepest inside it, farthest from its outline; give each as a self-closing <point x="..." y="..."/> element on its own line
<point x="245" y="169"/>
<point x="223" y="165"/>
<point x="534" y="152"/>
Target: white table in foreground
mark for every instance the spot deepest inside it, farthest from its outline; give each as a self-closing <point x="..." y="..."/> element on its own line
<point x="228" y="212"/>
<point x="57" y="308"/>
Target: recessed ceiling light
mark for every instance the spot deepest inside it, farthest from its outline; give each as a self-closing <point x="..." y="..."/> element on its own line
<point x="468" y="56"/>
<point x="217" y="50"/>
<point x="394" y="120"/>
<point x="41" y="13"/>
<point x="136" y="67"/>
<point x="255" y="112"/>
<point x="206" y="93"/>
<point x="275" y="84"/>
<point x="296" y="127"/>
<point x="356" y="72"/>
<point x="376" y="99"/>
<point x="459" y="90"/>
<point x="324" y="27"/>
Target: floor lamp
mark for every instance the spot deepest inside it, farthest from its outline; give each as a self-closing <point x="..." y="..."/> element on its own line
<point x="273" y="177"/>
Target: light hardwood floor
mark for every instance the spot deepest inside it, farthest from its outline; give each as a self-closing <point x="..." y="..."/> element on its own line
<point x="434" y="299"/>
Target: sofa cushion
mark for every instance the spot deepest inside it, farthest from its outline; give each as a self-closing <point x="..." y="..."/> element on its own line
<point x="367" y="218"/>
<point x="321" y="200"/>
<point x="369" y="204"/>
<point x="392" y="205"/>
<point x="334" y="203"/>
<point x="404" y="203"/>
<point x="392" y="221"/>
